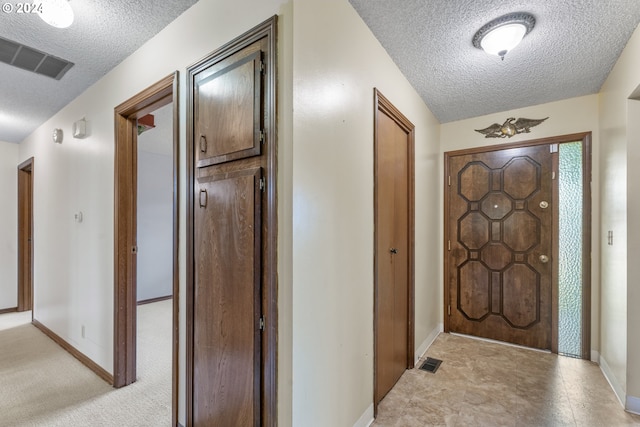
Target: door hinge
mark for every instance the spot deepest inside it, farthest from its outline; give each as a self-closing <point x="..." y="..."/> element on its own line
<point x="263" y="184"/>
<point x="262" y="137"/>
<point x="553" y="175"/>
<point x="449" y="180"/>
<point x="449" y="245"/>
<point x="263" y="68"/>
<point x="449" y="310"/>
<point x="262" y="323"/>
<point x="553" y="148"/>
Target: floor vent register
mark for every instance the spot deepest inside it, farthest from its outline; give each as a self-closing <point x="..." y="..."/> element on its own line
<point x="431" y="365"/>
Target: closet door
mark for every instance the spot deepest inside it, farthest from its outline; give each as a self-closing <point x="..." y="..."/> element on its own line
<point x="393" y="296"/>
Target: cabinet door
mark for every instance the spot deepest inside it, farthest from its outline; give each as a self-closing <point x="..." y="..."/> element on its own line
<point x="227" y="349"/>
<point x="228" y="100"/>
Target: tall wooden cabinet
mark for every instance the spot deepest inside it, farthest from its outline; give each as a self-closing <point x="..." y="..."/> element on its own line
<point x="231" y="312"/>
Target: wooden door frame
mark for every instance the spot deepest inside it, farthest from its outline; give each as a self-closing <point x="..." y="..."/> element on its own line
<point x="158" y="95"/>
<point x="25" y="231"/>
<point x="267" y="29"/>
<point x="382" y="105"/>
<point x="585" y="138"/>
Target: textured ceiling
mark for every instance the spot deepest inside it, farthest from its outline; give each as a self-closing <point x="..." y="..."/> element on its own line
<point x="102" y="35"/>
<point x="569" y="53"/>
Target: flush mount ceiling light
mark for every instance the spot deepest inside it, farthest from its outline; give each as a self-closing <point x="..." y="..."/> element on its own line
<point x="504" y="33"/>
<point x="57" y="13"/>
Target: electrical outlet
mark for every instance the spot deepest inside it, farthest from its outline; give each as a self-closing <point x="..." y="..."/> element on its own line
<point x="82" y="331"/>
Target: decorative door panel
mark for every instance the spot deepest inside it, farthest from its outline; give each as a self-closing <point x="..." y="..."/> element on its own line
<point x="227" y="298"/>
<point x="500" y="269"/>
<point x="228" y="122"/>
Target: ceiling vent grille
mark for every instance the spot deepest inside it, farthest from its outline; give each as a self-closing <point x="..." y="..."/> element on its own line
<point x="30" y="59"/>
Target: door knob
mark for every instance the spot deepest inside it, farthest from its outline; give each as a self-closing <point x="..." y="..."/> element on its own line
<point x="393" y="250"/>
<point x="544" y="259"/>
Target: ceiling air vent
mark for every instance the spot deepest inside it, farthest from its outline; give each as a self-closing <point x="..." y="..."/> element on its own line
<point x="32" y="60"/>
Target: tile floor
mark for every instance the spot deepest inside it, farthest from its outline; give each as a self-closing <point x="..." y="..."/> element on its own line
<point x="487" y="384"/>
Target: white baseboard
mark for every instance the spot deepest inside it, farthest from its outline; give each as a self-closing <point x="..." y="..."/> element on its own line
<point x="595" y="357"/>
<point x="633" y="405"/>
<point x="366" y="419"/>
<point x="428" y="341"/>
<point x="613" y="382"/>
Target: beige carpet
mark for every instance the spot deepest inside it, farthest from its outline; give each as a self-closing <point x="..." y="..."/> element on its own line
<point x="42" y="385"/>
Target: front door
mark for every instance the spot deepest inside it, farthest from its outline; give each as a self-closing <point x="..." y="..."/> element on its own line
<point x="500" y="245"/>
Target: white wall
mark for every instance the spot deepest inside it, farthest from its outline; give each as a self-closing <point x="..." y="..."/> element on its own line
<point x="74" y="262"/>
<point x="620" y="212"/>
<point x="155" y="226"/>
<point x="155" y="208"/>
<point x="8" y="225"/>
<point x="337" y="63"/>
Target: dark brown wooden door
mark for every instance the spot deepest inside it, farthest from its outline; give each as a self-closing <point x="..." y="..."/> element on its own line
<point x="25" y="235"/>
<point x="229" y="162"/>
<point x="500" y="260"/>
<point x="393" y="295"/>
<point x="227" y="294"/>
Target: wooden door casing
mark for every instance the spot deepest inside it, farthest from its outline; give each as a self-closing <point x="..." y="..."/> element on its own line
<point x="393" y="288"/>
<point x="500" y="228"/>
<point x="125" y="301"/>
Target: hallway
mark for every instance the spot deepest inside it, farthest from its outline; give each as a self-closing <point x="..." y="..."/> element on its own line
<point x="481" y="383"/>
<point x="41" y="385"/>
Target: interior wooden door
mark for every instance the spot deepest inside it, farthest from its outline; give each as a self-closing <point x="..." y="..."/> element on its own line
<point x="394" y="247"/>
<point x="500" y="245"/>
<point x="231" y="301"/>
<point x="25" y="235"/>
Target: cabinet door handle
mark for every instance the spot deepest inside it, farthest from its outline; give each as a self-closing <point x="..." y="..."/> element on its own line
<point x="203" y="198"/>
<point x="203" y="143"/>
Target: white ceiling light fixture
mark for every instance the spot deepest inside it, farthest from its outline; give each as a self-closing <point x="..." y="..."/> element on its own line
<point x="57" y="13"/>
<point x="502" y="34"/>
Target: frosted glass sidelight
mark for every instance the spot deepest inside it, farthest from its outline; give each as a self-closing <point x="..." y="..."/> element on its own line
<point x="570" y="252"/>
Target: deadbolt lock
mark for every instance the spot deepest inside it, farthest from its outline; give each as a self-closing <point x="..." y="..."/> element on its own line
<point x="544" y="204"/>
<point x="544" y="259"/>
<point x="393" y="250"/>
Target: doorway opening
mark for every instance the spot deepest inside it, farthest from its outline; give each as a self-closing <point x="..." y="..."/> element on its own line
<point x="518" y="243"/>
<point x="25" y="235"/>
<point x="127" y="121"/>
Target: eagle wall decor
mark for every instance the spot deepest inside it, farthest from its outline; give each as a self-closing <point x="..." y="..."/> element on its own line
<point x="510" y="127"/>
